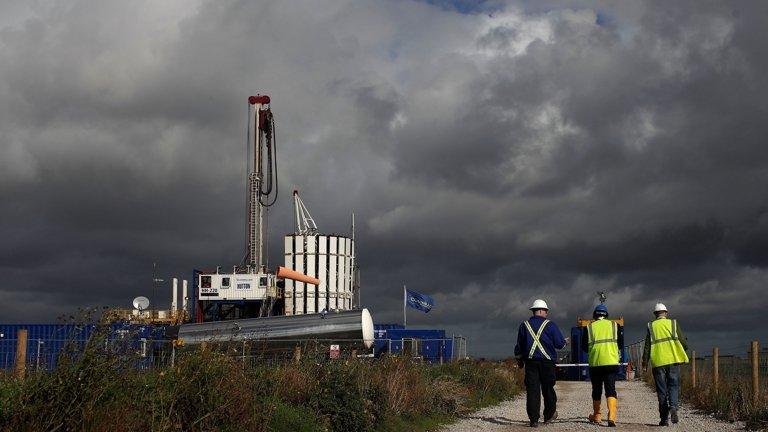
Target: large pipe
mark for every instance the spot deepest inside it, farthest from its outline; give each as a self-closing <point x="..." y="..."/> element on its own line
<point x="354" y="326"/>
<point x="184" y="298"/>
<point x="286" y="273"/>
<point x="175" y="298"/>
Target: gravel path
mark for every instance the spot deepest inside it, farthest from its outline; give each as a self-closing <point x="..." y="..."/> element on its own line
<point x="637" y="411"/>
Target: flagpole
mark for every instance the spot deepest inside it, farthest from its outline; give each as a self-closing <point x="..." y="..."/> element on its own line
<point x="404" y="304"/>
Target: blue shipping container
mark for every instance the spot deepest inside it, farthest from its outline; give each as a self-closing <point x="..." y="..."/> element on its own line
<point x="430" y="344"/>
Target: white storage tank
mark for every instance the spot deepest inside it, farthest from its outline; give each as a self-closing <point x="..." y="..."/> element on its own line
<point x="329" y="258"/>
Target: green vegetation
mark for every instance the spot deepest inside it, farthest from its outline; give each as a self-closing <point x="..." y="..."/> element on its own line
<point x="732" y="401"/>
<point x="212" y="390"/>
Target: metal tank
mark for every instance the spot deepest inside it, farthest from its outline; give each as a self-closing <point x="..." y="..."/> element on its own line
<point x="343" y="326"/>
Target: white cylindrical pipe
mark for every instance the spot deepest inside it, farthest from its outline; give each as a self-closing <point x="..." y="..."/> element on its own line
<point x="174" y="299"/>
<point x="184" y="297"/>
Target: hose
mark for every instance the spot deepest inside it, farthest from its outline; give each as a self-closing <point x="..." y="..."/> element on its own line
<point x="270" y="179"/>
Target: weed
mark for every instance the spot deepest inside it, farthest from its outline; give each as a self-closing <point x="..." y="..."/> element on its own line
<point x="101" y="389"/>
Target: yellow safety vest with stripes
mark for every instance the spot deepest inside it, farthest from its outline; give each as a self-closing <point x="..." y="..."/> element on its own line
<point x="666" y="348"/>
<point x="603" y="338"/>
<point x="536" y="337"/>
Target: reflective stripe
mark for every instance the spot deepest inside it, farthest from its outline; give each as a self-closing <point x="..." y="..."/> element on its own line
<point x="674" y="329"/>
<point x="657" y="341"/>
<point x="536" y="339"/>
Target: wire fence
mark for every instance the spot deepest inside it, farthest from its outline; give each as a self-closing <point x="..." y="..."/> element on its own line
<point x="146" y="353"/>
<point x="744" y="365"/>
<point x="635" y="358"/>
<point x="732" y="365"/>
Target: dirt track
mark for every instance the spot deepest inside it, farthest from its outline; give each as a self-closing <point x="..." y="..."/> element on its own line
<point x="637" y="411"/>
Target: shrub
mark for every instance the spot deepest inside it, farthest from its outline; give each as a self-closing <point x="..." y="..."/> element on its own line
<point x="210" y="390"/>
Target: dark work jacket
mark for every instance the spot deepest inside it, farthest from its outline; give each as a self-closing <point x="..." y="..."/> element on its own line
<point x="551" y="339"/>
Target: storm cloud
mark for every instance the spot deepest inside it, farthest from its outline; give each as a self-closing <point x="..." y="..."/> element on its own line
<point x="493" y="153"/>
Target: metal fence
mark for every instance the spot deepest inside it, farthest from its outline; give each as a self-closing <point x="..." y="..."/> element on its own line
<point x="635" y="358"/>
<point x="430" y="350"/>
<point x="147" y="353"/>
<point x="45" y="354"/>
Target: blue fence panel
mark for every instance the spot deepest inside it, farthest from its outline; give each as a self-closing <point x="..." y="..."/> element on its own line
<point x="44" y="342"/>
<point x="448" y="349"/>
<point x="47" y="342"/>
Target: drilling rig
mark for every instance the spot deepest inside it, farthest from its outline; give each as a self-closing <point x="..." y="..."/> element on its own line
<point x="264" y="303"/>
<point x="250" y="290"/>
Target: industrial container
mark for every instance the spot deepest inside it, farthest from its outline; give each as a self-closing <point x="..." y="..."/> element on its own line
<point x="235" y="286"/>
<point x="431" y="345"/>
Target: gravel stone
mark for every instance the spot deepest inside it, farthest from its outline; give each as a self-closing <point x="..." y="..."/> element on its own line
<point x="637" y="411"/>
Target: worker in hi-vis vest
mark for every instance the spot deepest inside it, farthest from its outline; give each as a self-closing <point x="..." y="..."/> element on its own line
<point x="601" y="339"/>
<point x="665" y="347"/>
<point x="538" y="340"/>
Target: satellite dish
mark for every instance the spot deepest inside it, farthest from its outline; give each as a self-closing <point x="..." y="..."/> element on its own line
<point x="141" y="303"/>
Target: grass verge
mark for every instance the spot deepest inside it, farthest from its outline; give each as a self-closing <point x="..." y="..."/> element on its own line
<point x="212" y="391"/>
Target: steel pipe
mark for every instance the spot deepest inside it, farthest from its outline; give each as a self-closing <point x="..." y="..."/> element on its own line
<point x="352" y="326"/>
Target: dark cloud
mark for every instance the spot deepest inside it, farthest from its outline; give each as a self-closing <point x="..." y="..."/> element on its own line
<point x="493" y="153"/>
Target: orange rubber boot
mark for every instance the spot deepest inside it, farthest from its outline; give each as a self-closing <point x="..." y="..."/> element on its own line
<point x="596" y="416"/>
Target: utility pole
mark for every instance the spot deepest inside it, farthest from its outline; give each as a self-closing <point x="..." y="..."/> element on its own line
<point x="355" y="270"/>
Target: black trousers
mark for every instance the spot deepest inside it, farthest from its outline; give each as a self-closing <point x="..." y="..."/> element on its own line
<point x="603" y="376"/>
<point x="540" y="381"/>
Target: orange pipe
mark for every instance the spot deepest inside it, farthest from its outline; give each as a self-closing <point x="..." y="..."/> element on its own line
<point x="286" y="273"/>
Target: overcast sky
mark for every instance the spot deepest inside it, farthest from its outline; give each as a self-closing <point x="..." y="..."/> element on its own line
<point x="493" y="153"/>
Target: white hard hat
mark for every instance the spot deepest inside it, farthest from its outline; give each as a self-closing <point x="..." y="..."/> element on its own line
<point x="659" y="308"/>
<point x="539" y="304"/>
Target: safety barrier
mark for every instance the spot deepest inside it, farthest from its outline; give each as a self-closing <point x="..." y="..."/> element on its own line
<point x="23" y="354"/>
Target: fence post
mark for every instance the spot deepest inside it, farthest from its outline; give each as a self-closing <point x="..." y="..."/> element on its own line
<point x="39" y="349"/>
<point x="21" y="353"/>
<point x="693" y="369"/>
<point x="715" y="367"/>
<point x="755" y="372"/>
<point x="244" y="349"/>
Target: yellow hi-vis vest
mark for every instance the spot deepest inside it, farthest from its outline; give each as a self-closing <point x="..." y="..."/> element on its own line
<point x="603" y="338"/>
<point x="666" y="348"/>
